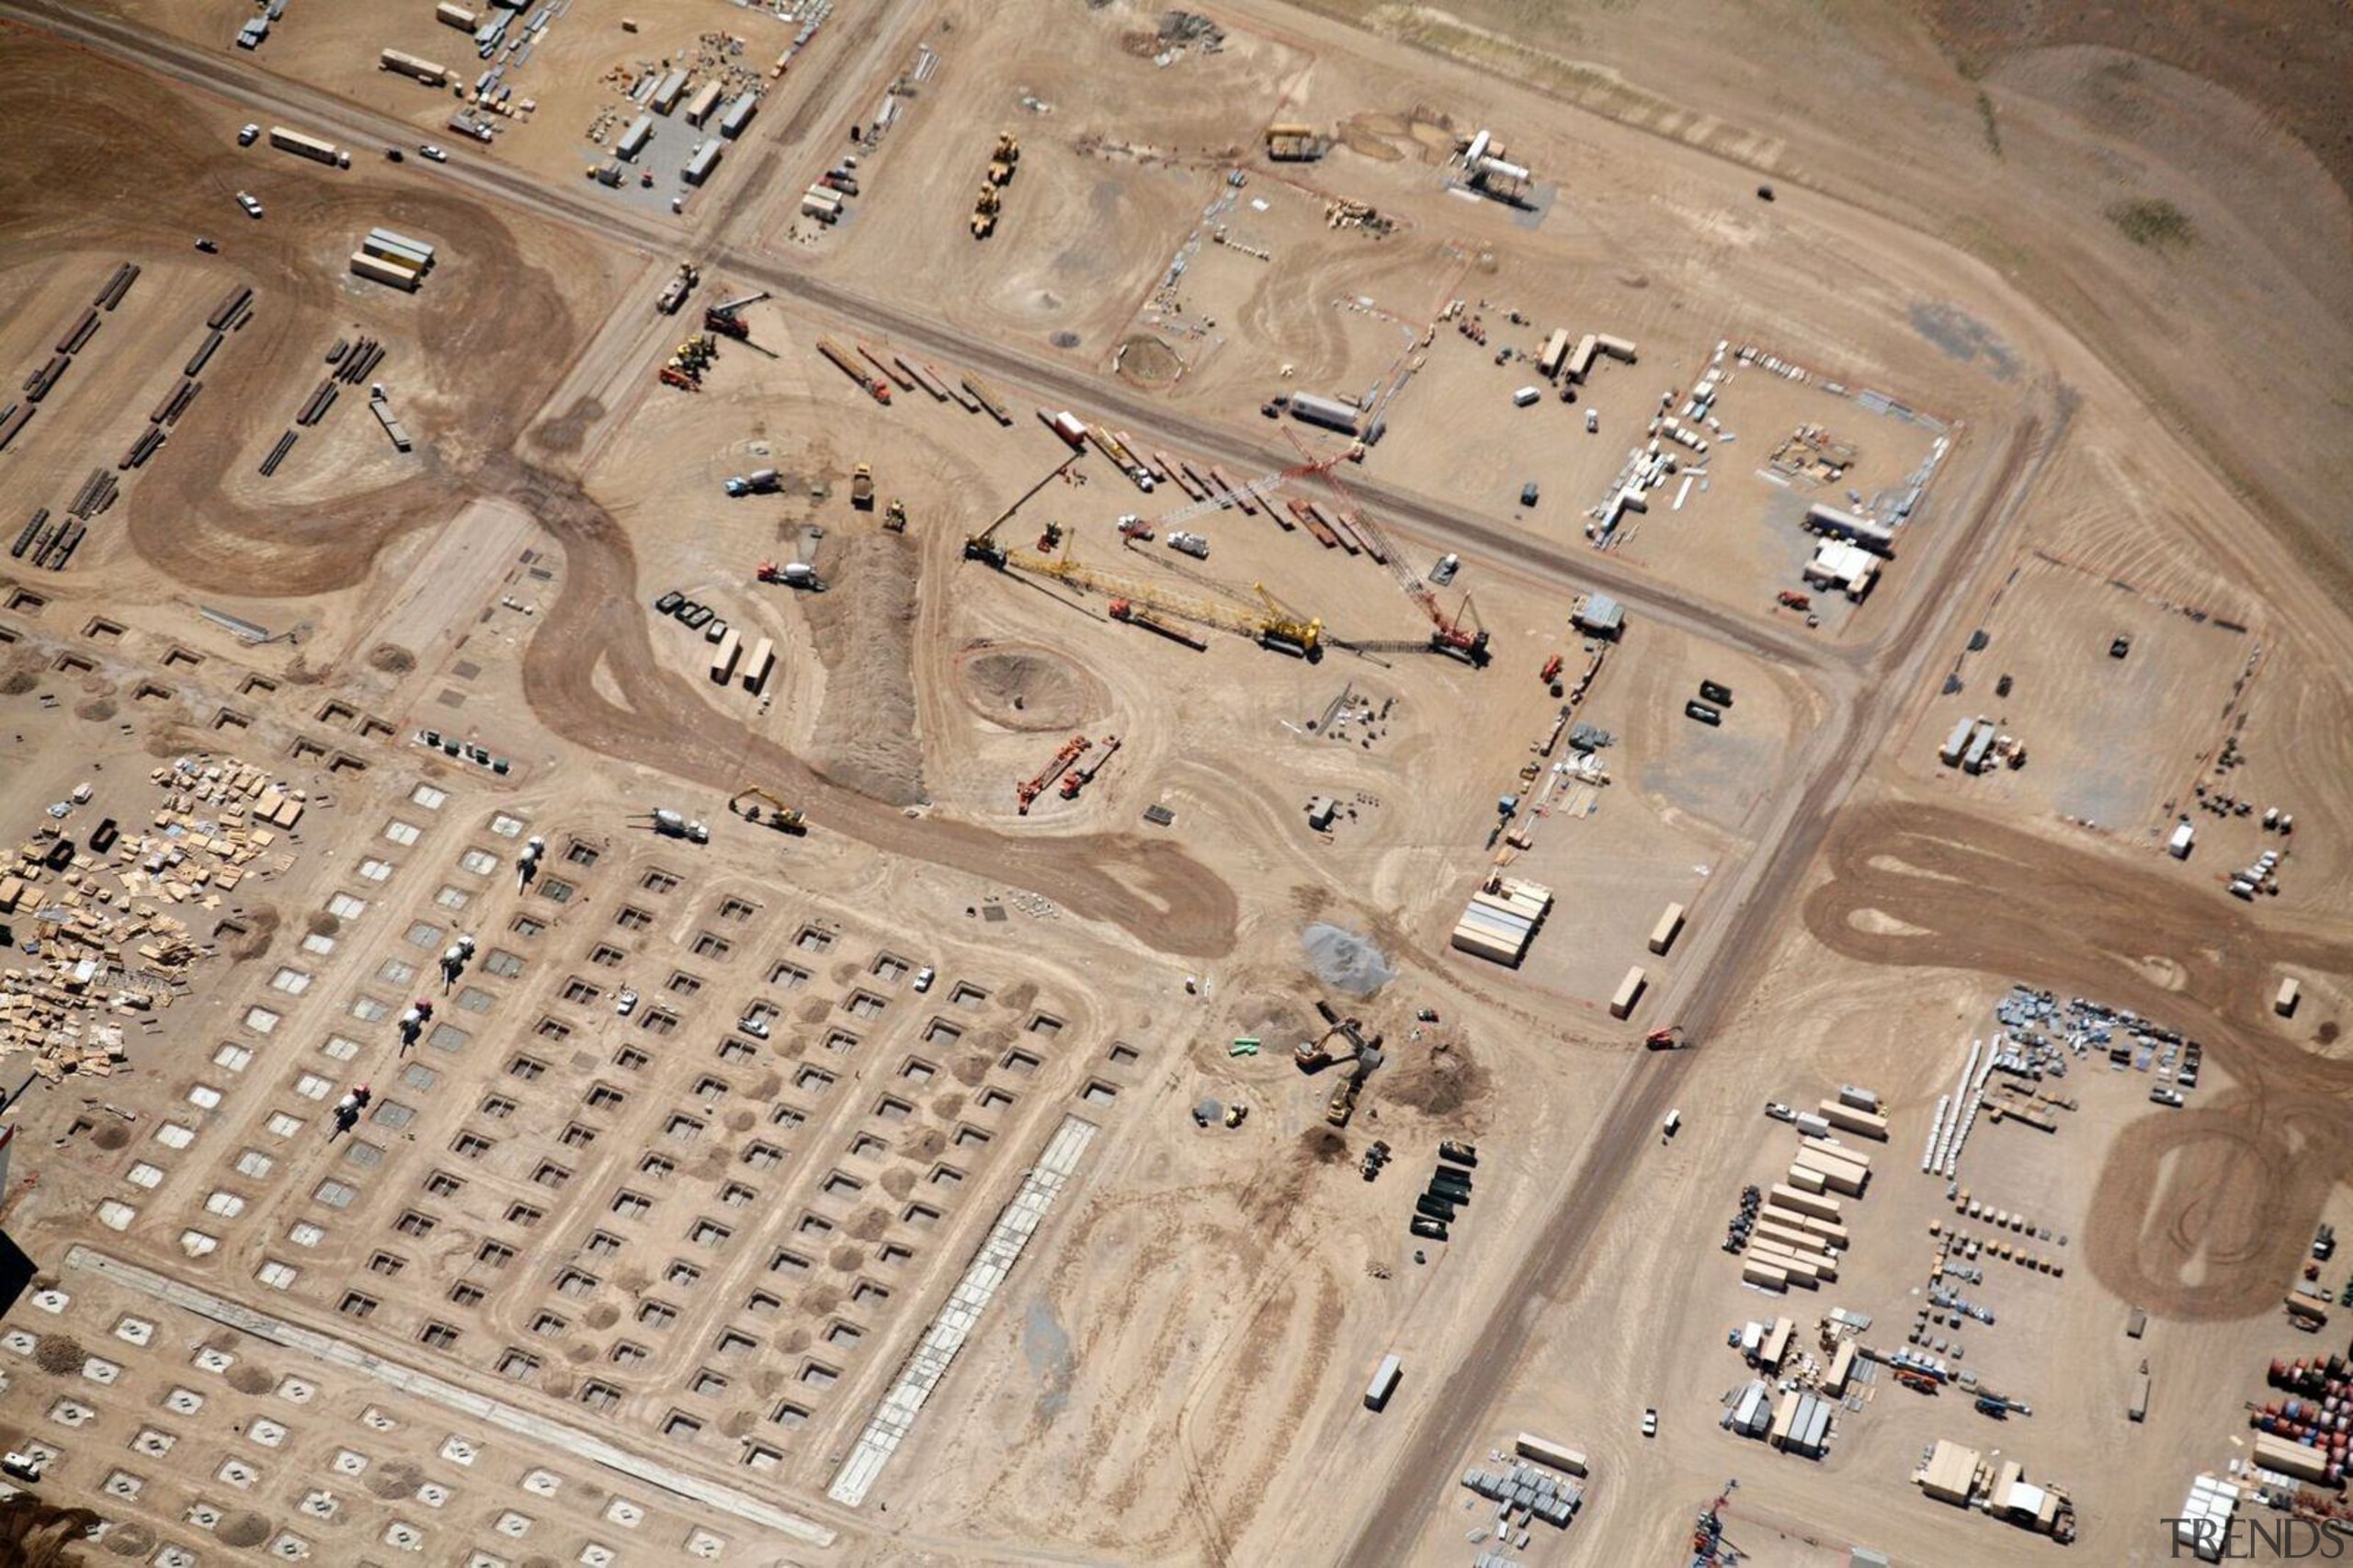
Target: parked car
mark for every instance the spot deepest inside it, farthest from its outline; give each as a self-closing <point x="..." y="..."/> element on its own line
<point x="436" y="153"/>
<point x="207" y="246"/>
<point x="697" y="615"/>
<point x="1528" y="493"/>
<point x="1715" y="692"/>
<point x="2120" y="646"/>
<point x="756" y="1027"/>
<point x="626" y="1003"/>
<point x="1702" y="712"/>
<point x="1650" y="1423"/>
<point x="715" y="632"/>
<point x="252" y="207"/>
<point x="925" y="976"/>
<point x="248" y="135"/>
<point x="395" y="154"/>
<point x="668" y="603"/>
<point x="1432" y="1229"/>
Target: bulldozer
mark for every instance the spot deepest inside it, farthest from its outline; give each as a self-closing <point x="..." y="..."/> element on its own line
<point x="983" y="224"/>
<point x="1008" y="148"/>
<point x="894" y="516"/>
<point x="754" y="804"/>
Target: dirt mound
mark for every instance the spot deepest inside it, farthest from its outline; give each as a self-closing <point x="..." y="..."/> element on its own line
<point x="130" y="1539"/>
<point x="247" y="1528"/>
<point x="395" y="1479"/>
<point x="247" y="1378"/>
<point x="391" y="659"/>
<point x="1147" y="361"/>
<point x="60" y="1355"/>
<point x="866" y="738"/>
<point x="1448" y="1082"/>
<point x="1024" y="688"/>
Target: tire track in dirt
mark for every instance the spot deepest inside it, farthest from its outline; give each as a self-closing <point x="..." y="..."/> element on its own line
<point x="1153" y="889"/>
<point x="2199" y="1214"/>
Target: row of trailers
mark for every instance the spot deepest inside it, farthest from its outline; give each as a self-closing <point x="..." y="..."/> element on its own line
<point x="393" y="259"/>
<point x="756" y="669"/>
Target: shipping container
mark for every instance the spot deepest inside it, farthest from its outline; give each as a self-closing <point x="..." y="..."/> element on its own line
<point x="2284" y="1003"/>
<point x="723" y="662"/>
<point x="454" y="16"/>
<point x="1384" y="1382"/>
<point x="1861" y="1123"/>
<point x="758" y="668"/>
<point x="1630" y="991"/>
<point x="1581" y="363"/>
<point x="1670" y="925"/>
<point x="1616" y="347"/>
<point x="1756" y="1272"/>
<point x="425" y="71"/>
<point x="1805" y="1202"/>
<point x="1957" y="743"/>
<point x="1531" y="1446"/>
<point x="376" y="269"/>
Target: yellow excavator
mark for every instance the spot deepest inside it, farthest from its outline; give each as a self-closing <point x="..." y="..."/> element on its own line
<point x="757" y="806"/>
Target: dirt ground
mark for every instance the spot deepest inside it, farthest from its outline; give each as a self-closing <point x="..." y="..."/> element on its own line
<point x="708" y="1147"/>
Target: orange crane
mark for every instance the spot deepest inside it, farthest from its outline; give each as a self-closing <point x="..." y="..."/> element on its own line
<point x="1450" y="636"/>
<point x="1080" y="778"/>
<point x="1029" y="790"/>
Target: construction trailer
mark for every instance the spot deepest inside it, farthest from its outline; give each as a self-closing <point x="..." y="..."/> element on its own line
<point x="633" y="140"/>
<point x="1841" y="567"/>
<point x="666" y="92"/>
<point x="424" y="71"/>
<point x="1630" y="991"/>
<point x="1384" y="1382"/>
<point x="706" y="158"/>
<point x="2284" y="1003"/>
<point x="1836" y="522"/>
<point x="398" y="247"/>
<point x="311" y="147"/>
<point x="1669" y="926"/>
<point x="1330" y="413"/>
<point x="378" y="269"/>
<point x="703" y="104"/>
<point x="451" y="15"/>
<point x="737" y="117"/>
<point x="1555" y="355"/>
<point x="759" y="666"/>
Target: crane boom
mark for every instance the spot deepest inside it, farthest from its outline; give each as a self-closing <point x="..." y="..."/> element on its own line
<point x="1269" y="622"/>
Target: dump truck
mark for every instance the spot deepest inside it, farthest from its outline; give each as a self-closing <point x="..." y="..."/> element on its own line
<point x="759" y="481"/>
<point x="673" y="293"/>
<point x="862" y="487"/>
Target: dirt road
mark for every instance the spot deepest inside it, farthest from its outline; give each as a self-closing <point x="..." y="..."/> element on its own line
<point x="1554" y="1262"/>
<point x="1151" y="888"/>
<point x="2201" y="1213"/>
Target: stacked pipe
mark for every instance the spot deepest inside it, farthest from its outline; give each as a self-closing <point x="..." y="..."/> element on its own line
<point x="15" y="420"/>
<point x="233" y="302"/>
<point x="204" y="352"/>
<point x="315" y="407"/>
<point x="97" y="493"/>
<point x="118" y="286"/>
<point x="55" y="558"/>
<point x="277" y="454"/>
<point x="32" y="532"/>
<point x="176" y="401"/>
<point x="142" y="448"/>
<point x="360" y="362"/>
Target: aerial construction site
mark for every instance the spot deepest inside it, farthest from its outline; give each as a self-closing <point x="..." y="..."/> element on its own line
<point x="953" y="783"/>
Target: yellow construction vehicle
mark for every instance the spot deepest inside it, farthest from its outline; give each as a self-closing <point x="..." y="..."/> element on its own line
<point x="1270" y="623"/>
<point x="757" y="806"/>
<point x="1008" y="148"/>
<point x="894" y="516"/>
